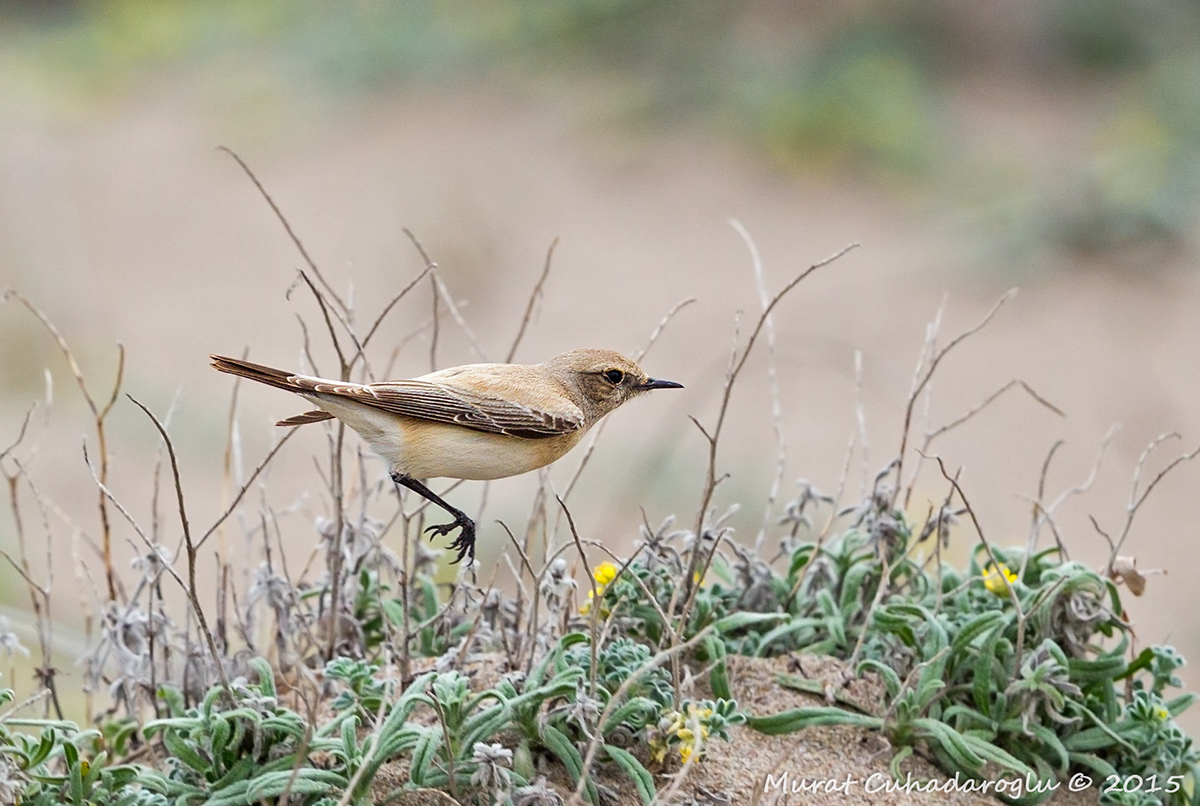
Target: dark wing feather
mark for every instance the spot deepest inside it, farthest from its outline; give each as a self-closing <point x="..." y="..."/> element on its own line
<point x="433" y="401"/>
<point x="306" y="418"/>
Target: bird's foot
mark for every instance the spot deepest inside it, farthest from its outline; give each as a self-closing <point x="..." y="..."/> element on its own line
<point x="464" y="544"/>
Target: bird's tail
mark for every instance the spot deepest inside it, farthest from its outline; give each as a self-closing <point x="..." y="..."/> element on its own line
<point x="271" y="377"/>
<point x="255" y="372"/>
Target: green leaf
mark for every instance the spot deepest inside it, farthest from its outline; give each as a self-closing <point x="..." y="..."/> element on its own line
<point x="737" y="621"/>
<point x="718" y="678"/>
<point x="991" y="621"/>
<point x="637" y="709"/>
<point x="990" y="752"/>
<point x="786" y="630"/>
<point x="890" y="678"/>
<point x="241" y="770"/>
<point x="75" y="784"/>
<point x="350" y="749"/>
<point x="1100" y="670"/>
<point x="800" y="718"/>
<point x="1094" y="763"/>
<point x="266" y="676"/>
<point x="305" y="781"/>
<point x="952" y="743"/>
<point x="43" y="749"/>
<point x="897" y="760"/>
<point x="987" y="668"/>
<point x="71" y="753"/>
<point x="424" y="754"/>
<point x="1181" y="703"/>
<point x="557" y="743"/>
<point x="221" y="730"/>
<point x="853" y="598"/>
<point x="641" y="777"/>
<point x="186" y="752"/>
<point x="485" y="725"/>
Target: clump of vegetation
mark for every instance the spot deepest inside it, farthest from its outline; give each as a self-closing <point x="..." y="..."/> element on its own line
<point x="308" y="689"/>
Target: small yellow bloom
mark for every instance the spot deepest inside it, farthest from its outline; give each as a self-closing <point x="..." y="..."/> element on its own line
<point x="998" y="580"/>
<point x="685" y="752"/>
<point x="605" y="573"/>
<point x="1162" y="714"/>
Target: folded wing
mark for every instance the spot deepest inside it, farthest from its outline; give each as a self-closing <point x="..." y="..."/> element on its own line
<point x="428" y="400"/>
<point x="444" y="398"/>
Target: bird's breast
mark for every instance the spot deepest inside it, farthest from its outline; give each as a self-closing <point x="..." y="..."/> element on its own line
<point x="425" y="450"/>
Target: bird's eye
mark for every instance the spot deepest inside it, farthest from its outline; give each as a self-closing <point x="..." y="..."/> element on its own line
<point x="614" y="376"/>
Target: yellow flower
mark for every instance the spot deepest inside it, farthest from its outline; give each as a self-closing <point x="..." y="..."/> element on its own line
<point x="658" y="749"/>
<point x="1162" y="714"/>
<point x="998" y="580"/>
<point x="605" y="573"/>
<point x="689" y="731"/>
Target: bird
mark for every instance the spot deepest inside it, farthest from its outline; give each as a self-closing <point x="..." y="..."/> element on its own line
<point x="474" y="422"/>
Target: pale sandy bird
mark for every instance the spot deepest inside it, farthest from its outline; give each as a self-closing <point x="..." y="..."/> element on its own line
<point x="479" y="421"/>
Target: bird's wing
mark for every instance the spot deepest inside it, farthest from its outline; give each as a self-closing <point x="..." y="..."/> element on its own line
<point x="430" y="400"/>
<point x="494" y="398"/>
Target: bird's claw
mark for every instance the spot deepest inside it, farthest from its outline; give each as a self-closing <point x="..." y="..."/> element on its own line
<point x="464" y="544"/>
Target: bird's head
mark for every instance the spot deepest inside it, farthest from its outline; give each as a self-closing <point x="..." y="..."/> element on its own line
<point x="603" y="379"/>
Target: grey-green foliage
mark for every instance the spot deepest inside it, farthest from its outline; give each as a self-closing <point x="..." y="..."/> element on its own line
<point x="62" y="764"/>
<point x="1033" y="677"/>
<point x="1023" y="668"/>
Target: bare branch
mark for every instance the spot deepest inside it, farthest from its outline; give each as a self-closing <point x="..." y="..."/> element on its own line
<point x="190" y="588"/>
<point x="20" y="434"/>
<point x="387" y="309"/>
<point x="1135" y="499"/>
<point x="245" y="487"/>
<point x="325" y="310"/>
<point x="760" y="282"/>
<point x="860" y="417"/>
<point x="735" y="368"/>
<point x="996" y="565"/>
<point x="662" y="324"/>
<point x="920" y="380"/>
<point x="456" y="315"/>
<point x="286" y="225"/>
<point x="98" y="416"/>
<point x="594" y="613"/>
<point x="1017" y="382"/>
<point x="533" y="298"/>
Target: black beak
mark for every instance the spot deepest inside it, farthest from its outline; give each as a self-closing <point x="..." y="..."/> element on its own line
<point x="655" y="383"/>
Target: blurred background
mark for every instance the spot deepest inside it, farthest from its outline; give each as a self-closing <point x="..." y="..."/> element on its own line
<point x="970" y="148"/>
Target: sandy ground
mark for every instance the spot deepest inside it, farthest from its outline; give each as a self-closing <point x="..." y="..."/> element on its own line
<point x="127" y="226"/>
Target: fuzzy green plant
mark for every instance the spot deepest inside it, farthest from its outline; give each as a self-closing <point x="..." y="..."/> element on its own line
<point x="50" y="762"/>
<point x="1020" y="663"/>
<point x="227" y="754"/>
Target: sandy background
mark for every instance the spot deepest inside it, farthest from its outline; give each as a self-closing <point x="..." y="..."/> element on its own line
<point x="121" y="220"/>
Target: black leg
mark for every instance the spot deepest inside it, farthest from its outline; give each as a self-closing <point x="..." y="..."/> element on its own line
<point x="464" y="544"/>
